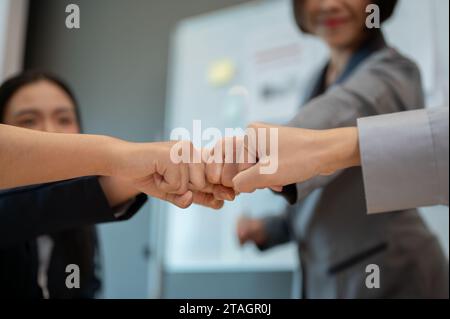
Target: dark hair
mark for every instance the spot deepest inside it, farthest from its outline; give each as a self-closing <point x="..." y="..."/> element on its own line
<point x="387" y="8"/>
<point x="15" y="83"/>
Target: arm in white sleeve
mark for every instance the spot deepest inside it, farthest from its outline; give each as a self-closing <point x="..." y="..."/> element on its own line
<point x="404" y="158"/>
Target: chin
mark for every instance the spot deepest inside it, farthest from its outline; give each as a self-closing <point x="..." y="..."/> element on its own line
<point x="339" y="42"/>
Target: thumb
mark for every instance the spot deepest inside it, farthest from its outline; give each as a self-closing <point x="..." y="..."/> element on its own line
<point x="250" y="180"/>
<point x="277" y="189"/>
<point x="207" y="200"/>
<point x="182" y="201"/>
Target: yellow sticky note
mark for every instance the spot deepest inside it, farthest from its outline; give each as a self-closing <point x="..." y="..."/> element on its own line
<point x="221" y="72"/>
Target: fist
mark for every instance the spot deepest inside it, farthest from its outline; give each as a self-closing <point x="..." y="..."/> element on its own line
<point x="251" y="230"/>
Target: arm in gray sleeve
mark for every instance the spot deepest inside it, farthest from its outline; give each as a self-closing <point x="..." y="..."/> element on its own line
<point x="404" y="157"/>
<point x="387" y="83"/>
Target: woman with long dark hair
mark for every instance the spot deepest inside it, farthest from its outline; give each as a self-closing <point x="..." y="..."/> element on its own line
<point x="45" y="228"/>
<point x="41" y="101"/>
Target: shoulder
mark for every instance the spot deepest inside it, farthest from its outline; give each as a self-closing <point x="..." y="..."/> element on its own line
<point x="388" y="75"/>
<point x="390" y="61"/>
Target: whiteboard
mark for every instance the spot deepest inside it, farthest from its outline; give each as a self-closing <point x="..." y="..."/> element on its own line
<point x="249" y="63"/>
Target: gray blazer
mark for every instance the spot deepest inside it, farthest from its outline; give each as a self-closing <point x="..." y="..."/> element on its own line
<point x="404" y="159"/>
<point x="336" y="237"/>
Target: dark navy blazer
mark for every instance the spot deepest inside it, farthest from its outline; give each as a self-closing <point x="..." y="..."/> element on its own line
<point x="67" y="212"/>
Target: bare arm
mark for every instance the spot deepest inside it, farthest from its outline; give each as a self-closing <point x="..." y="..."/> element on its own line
<point x="404" y="157"/>
<point x="302" y="154"/>
<point x="30" y="157"/>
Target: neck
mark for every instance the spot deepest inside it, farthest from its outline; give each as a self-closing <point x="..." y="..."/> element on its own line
<point x="338" y="61"/>
<point x="340" y="56"/>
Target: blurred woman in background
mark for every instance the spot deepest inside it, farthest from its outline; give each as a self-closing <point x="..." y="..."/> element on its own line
<point x="44" y="228"/>
<point x="37" y="244"/>
<point x="336" y="239"/>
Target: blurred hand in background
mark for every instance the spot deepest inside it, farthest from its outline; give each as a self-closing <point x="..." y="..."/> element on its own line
<point x="251" y="230"/>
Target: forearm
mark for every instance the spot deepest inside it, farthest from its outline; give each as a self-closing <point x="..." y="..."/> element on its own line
<point x="337" y="149"/>
<point x="301" y="154"/>
<point x="331" y="111"/>
<point x="30" y="157"/>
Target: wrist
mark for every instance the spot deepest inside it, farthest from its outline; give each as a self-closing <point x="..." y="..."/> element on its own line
<point x="117" y="191"/>
<point x="114" y="155"/>
<point x="340" y="149"/>
<point x="130" y="160"/>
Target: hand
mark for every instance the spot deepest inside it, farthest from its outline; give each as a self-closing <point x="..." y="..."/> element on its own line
<point x="205" y="197"/>
<point x="222" y="164"/>
<point x="150" y="165"/>
<point x="300" y="155"/>
<point x="251" y="230"/>
<point x="212" y="195"/>
<point x="151" y="170"/>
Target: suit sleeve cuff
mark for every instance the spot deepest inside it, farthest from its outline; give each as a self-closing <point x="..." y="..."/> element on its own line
<point x="397" y="159"/>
